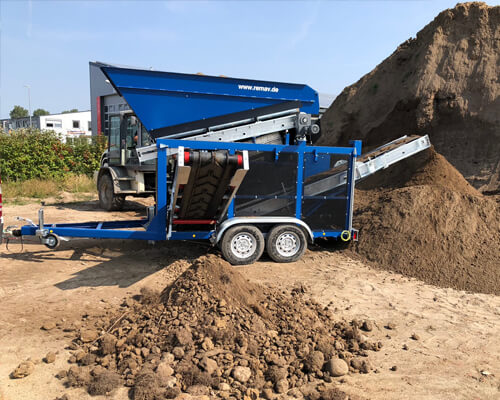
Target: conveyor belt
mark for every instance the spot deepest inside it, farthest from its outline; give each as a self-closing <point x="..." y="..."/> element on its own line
<point x="205" y="182"/>
<point x="266" y="125"/>
<point x="208" y="181"/>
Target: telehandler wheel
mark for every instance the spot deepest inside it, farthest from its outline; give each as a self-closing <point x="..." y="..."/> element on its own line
<point x="242" y="244"/>
<point x="286" y="243"/>
<point x="107" y="198"/>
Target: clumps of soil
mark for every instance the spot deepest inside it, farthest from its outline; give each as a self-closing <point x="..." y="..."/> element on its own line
<point x="336" y="394"/>
<point x="23" y="370"/>
<point x="103" y="382"/>
<point x="77" y="377"/>
<point x="147" y="386"/>
<point x="444" y="82"/>
<point x="98" y="380"/>
<point x="213" y="332"/>
<point x="430" y="224"/>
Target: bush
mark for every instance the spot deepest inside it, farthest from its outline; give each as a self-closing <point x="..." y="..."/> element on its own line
<point x="30" y="154"/>
<point x="43" y="188"/>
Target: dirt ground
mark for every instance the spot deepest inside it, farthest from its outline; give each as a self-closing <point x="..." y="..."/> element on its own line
<point x="457" y="354"/>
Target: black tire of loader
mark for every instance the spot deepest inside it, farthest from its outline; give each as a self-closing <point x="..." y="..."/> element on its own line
<point x="107" y="198"/>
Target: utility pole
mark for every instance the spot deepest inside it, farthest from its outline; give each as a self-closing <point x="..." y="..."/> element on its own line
<point x="29" y="102"/>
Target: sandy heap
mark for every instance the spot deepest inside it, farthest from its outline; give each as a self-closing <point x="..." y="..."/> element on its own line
<point x="421" y="218"/>
<point x="213" y="332"/>
<point x="445" y="83"/>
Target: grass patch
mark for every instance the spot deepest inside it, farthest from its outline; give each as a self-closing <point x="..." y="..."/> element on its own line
<point x="37" y="188"/>
<point x="78" y="184"/>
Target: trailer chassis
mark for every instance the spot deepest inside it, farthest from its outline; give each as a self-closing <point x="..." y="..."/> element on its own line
<point x="161" y="224"/>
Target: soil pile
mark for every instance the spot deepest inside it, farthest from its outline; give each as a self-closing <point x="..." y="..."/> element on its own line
<point x="425" y="168"/>
<point x="213" y="333"/>
<point x="443" y="83"/>
<point x="429" y="223"/>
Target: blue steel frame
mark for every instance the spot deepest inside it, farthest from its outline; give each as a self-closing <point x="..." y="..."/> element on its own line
<point x="157" y="228"/>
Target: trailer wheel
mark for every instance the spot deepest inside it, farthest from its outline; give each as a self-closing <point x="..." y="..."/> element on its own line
<point x="52" y="241"/>
<point x="242" y="244"/>
<point x="107" y="197"/>
<point x="286" y="243"/>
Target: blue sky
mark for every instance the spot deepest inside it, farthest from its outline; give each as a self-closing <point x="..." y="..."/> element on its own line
<point x="326" y="44"/>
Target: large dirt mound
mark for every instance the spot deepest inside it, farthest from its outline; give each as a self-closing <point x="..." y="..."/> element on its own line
<point x="426" y="168"/>
<point x="434" y="226"/>
<point x="445" y="82"/>
<point x="212" y="332"/>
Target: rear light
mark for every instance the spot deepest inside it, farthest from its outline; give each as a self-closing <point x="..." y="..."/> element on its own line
<point x="240" y="160"/>
<point x="187" y="157"/>
<point x="355" y="235"/>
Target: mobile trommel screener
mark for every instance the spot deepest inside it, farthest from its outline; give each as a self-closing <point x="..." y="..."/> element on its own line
<point x="228" y="185"/>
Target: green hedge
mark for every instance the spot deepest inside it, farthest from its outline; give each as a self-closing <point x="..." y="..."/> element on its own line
<point x="29" y="153"/>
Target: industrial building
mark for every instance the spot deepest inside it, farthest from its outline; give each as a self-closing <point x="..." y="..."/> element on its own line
<point x="104" y="101"/>
<point x="68" y="125"/>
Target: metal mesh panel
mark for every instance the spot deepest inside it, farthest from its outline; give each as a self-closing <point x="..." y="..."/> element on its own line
<point x="325" y="199"/>
<point x="324" y="214"/>
<point x="325" y="174"/>
<point x="269" y="188"/>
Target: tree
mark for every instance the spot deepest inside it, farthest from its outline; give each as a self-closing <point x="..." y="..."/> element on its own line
<point x="39" y="112"/>
<point x="19" y="112"/>
<point x="70" y="111"/>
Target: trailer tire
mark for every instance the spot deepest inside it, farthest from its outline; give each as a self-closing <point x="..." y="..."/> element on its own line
<point x="242" y="244"/>
<point x="107" y="197"/>
<point x="286" y="243"/>
<point x="52" y="241"/>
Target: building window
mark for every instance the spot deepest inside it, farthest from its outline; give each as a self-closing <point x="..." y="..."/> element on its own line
<point x="53" y="123"/>
<point x="76" y="124"/>
<point x="90" y="126"/>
